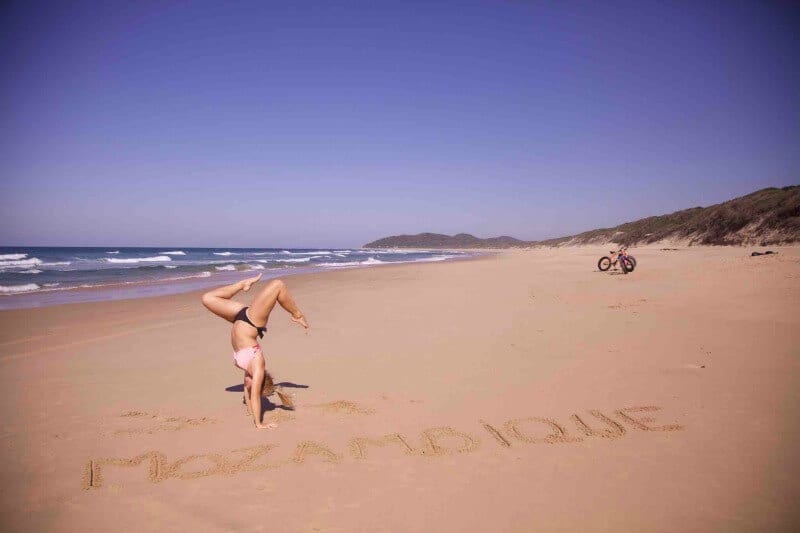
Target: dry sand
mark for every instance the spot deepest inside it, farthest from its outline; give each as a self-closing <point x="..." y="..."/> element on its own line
<point x="524" y="391"/>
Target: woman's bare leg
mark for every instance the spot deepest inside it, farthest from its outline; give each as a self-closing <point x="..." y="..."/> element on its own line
<point x="274" y="291"/>
<point x="219" y="300"/>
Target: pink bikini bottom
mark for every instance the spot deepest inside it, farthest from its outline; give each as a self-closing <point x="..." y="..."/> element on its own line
<point x="243" y="357"/>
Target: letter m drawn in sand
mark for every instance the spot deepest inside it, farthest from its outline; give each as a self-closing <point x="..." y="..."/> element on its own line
<point x="358" y="445"/>
<point x="156" y="471"/>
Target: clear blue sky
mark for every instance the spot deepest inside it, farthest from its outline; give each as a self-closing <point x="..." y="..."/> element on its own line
<point x="335" y="123"/>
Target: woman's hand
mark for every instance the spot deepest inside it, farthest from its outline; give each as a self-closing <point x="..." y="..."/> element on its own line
<point x="300" y="319"/>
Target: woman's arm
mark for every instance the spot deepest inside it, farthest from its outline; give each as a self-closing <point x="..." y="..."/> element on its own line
<point x="255" y="397"/>
<point x="247" y="397"/>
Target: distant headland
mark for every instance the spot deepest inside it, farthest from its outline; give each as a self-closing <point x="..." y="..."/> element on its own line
<point x="766" y="217"/>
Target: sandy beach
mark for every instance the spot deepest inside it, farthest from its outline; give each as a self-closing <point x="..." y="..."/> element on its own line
<point x="522" y="391"/>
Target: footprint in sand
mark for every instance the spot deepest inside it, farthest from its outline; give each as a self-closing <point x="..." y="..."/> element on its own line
<point x="621" y="305"/>
<point x="277" y="417"/>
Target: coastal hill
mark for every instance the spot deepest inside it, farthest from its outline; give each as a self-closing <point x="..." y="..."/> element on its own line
<point x="437" y="240"/>
<point x="768" y="216"/>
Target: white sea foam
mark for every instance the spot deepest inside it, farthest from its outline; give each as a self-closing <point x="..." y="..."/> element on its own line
<point x="318" y="252"/>
<point x="20" y="263"/>
<point x="300" y="259"/>
<point x="170" y="266"/>
<point x="393" y="251"/>
<point x="372" y="261"/>
<point x="290" y="260"/>
<point x="114" y="252"/>
<point x="342" y="251"/>
<point x="176" y="252"/>
<point x="156" y="259"/>
<point x="13" y="289"/>
<point x="256" y="267"/>
<point x="203" y="274"/>
<point x="366" y="262"/>
<point x="346" y="264"/>
<point x="31" y="271"/>
<point x="52" y="286"/>
<point x="13" y="257"/>
<point x="226" y="267"/>
<point x="57" y="263"/>
<point x="226" y="254"/>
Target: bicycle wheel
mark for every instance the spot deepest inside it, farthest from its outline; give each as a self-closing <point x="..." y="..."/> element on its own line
<point x="604" y="264"/>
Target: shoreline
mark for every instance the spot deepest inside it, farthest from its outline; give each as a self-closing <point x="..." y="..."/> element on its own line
<point x="154" y="288"/>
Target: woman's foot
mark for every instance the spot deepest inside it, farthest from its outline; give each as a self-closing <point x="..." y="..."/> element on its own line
<point x="300" y="319"/>
<point x="248" y="282"/>
<point x="271" y="425"/>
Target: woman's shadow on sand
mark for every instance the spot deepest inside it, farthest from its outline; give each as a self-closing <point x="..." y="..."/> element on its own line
<point x="266" y="403"/>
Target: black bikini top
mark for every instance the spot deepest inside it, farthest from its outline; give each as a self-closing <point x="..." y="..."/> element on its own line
<point x="242" y="315"/>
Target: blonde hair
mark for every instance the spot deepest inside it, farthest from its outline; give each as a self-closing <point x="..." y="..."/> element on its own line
<point x="268" y="386"/>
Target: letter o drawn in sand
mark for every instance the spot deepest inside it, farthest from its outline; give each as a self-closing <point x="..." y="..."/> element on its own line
<point x="219" y="466"/>
<point x="559" y="433"/>
<point x="432" y="436"/>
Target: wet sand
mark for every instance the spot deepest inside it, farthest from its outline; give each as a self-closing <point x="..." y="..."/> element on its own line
<point x="518" y="392"/>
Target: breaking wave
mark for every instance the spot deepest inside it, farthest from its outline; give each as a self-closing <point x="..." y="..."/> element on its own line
<point x="156" y="259"/>
<point x="20" y="263"/>
<point x="13" y="289"/>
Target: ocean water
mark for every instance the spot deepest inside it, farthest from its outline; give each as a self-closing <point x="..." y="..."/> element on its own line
<point x="37" y="276"/>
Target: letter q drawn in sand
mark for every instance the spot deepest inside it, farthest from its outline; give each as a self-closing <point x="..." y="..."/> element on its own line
<point x="559" y="434"/>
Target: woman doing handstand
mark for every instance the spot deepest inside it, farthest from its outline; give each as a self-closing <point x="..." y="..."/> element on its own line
<point x="248" y="324"/>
